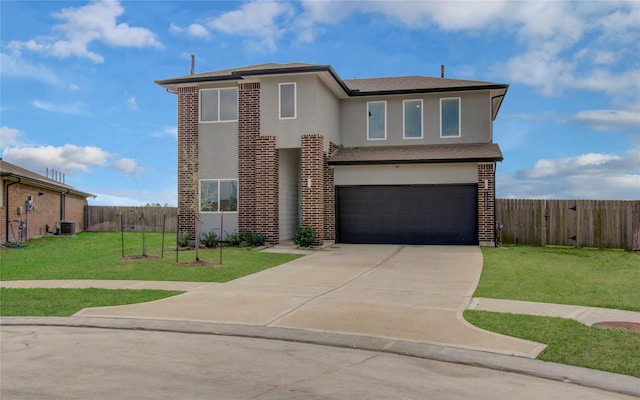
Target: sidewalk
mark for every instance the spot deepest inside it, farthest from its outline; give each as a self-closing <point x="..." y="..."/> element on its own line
<point x="583" y="314"/>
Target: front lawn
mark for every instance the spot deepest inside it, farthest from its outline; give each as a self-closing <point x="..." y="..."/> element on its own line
<point x="66" y="302"/>
<point x="588" y="277"/>
<point x="92" y="255"/>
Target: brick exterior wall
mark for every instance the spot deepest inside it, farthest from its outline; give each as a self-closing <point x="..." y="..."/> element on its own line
<point x="329" y="196"/>
<point x="266" y="188"/>
<point x="486" y="212"/>
<point x="313" y="170"/>
<point x="188" y="165"/>
<point x="47" y="212"/>
<point x="248" y="130"/>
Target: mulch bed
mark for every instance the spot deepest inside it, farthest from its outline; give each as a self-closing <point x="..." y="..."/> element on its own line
<point x="627" y="326"/>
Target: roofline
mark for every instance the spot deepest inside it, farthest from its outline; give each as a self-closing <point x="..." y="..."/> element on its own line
<point x="45" y="185"/>
<point x="417" y="161"/>
<point x="236" y="75"/>
<point x="357" y="93"/>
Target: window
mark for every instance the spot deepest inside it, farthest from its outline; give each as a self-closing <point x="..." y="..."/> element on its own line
<point x="450" y="117"/>
<point x="376" y="121"/>
<point x="218" y="105"/>
<point x="218" y="195"/>
<point x="412" y="119"/>
<point x="287" y="100"/>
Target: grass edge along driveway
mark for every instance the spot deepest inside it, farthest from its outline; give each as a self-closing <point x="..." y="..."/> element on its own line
<point x="589" y="277"/>
<point x="93" y="255"/>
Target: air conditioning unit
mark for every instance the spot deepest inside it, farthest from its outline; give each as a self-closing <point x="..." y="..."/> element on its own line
<point x="67" y="228"/>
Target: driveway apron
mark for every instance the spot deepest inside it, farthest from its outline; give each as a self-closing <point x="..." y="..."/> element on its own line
<point x="411" y="293"/>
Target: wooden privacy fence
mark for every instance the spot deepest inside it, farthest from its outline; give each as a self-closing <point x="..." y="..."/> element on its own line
<point x="109" y="218"/>
<point x="580" y="223"/>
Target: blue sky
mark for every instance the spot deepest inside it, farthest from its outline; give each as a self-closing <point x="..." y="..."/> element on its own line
<point x="77" y="91"/>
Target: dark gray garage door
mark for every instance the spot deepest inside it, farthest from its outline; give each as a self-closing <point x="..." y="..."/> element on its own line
<point x="443" y="214"/>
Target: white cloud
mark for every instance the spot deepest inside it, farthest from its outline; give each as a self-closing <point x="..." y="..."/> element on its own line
<point x="74" y="87"/>
<point x="68" y="158"/>
<point x="257" y="21"/>
<point x="194" y="30"/>
<point x="73" y="108"/>
<point x="587" y="176"/>
<point x="83" y="25"/>
<point x="132" y="103"/>
<point x="127" y="166"/>
<point x="13" y="66"/>
<point x="9" y="136"/>
<point x="609" y="120"/>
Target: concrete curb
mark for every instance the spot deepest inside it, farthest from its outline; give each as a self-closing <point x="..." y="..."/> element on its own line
<point x="580" y="376"/>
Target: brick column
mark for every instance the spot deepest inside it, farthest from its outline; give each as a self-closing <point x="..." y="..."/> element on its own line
<point x="486" y="204"/>
<point x="312" y="174"/>
<point x="267" y="185"/>
<point x="188" y="104"/>
<point x="329" y="197"/>
<point x="248" y="130"/>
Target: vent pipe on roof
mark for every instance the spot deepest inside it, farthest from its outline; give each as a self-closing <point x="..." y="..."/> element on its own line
<point x="193" y="63"/>
<point x="441" y="70"/>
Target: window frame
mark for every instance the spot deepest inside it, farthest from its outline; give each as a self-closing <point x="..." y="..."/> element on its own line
<point x="295" y="100"/>
<point x="404" y="119"/>
<point x="219" y="105"/>
<point x="459" y="100"/>
<point x="384" y="137"/>
<point x="218" y="192"/>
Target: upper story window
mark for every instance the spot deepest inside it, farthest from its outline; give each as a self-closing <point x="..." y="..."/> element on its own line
<point x="376" y="120"/>
<point x="412" y="119"/>
<point x="218" y="105"/>
<point x="450" y="117"/>
<point x="218" y="195"/>
<point x="288" y="100"/>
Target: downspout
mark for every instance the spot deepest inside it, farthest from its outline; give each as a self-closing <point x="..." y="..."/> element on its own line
<point x="63" y="205"/>
<point x="7" y="210"/>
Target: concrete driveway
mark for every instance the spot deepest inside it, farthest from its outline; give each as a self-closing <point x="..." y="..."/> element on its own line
<point x="410" y="293"/>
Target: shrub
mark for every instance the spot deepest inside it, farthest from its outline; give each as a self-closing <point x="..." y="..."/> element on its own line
<point x="184" y="240"/>
<point x="210" y="240"/>
<point x="252" y="239"/>
<point x="304" y="236"/>
<point x="233" y="238"/>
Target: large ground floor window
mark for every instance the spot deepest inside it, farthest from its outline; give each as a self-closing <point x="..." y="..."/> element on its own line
<point x="218" y="195"/>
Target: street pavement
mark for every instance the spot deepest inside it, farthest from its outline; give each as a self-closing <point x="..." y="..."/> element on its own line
<point x="53" y="362"/>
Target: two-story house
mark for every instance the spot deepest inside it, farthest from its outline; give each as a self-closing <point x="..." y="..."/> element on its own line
<point x="383" y="160"/>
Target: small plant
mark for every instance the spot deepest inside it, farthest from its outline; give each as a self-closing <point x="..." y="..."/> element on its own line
<point x="252" y="239"/>
<point x="304" y="235"/>
<point x="184" y="239"/>
<point x="210" y="240"/>
<point x="233" y="238"/>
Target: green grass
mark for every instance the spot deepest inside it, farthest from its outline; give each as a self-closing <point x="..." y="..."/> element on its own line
<point x="91" y="255"/>
<point x="66" y="302"/>
<point x="589" y="277"/>
<point x="569" y="342"/>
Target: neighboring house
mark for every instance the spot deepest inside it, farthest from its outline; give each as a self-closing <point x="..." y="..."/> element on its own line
<point x="34" y="205"/>
<point x="384" y="160"/>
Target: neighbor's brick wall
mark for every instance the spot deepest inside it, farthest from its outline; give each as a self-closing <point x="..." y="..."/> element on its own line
<point x="266" y="189"/>
<point x="47" y="211"/>
<point x="248" y="130"/>
<point x="486" y="215"/>
<point x="312" y="199"/>
<point x="188" y="165"/>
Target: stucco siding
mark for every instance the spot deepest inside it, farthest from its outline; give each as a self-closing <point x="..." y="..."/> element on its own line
<point x="405" y="174"/>
<point x="317" y="110"/>
<point x="475" y="109"/>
